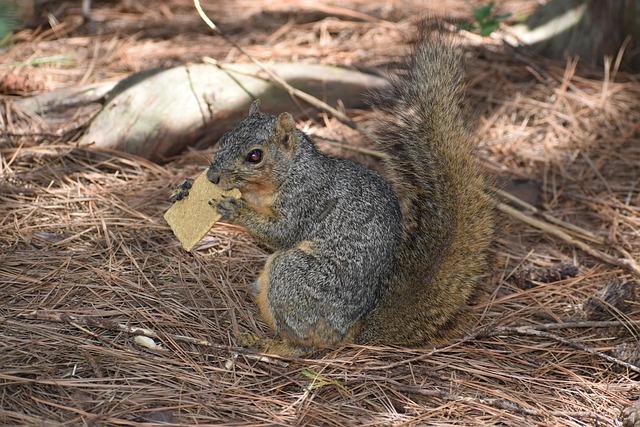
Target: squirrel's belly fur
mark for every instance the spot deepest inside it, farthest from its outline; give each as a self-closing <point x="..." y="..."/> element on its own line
<point x="358" y="257"/>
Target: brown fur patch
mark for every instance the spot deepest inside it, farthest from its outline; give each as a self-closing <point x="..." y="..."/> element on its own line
<point x="321" y="336"/>
<point x="260" y="196"/>
<point x="262" y="300"/>
<point x="324" y="336"/>
<point x="306" y="247"/>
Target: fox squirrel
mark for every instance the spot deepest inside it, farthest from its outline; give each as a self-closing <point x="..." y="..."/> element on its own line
<point x="359" y="258"/>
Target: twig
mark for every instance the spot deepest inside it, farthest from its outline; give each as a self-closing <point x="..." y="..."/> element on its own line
<point x="531" y="331"/>
<point x="584" y="324"/>
<point x="231" y="74"/>
<point x="628" y="264"/>
<point x="597" y="172"/>
<point x="492" y="330"/>
<point x="132" y="330"/>
<point x="277" y="79"/>
<point x="586" y="234"/>
<point x="92" y="64"/>
<point x="26" y="134"/>
<point x="343" y="11"/>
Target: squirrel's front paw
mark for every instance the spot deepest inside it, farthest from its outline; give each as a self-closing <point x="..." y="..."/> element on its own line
<point x="228" y="207"/>
<point x="182" y="191"/>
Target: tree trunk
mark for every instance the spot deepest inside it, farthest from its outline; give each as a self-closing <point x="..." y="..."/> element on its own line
<point x="590" y="29"/>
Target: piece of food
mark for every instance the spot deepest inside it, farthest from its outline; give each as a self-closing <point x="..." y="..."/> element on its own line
<point x="192" y="217"/>
<point x="147" y="342"/>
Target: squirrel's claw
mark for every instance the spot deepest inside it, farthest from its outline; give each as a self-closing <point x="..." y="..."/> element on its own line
<point x="186" y="184"/>
<point x="228" y="207"/>
<point x="182" y="191"/>
<point x="178" y="194"/>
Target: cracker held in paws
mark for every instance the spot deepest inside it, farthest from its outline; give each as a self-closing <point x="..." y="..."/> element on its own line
<point x="194" y="210"/>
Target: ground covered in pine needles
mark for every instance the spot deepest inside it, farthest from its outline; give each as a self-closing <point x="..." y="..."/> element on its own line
<point x="86" y="259"/>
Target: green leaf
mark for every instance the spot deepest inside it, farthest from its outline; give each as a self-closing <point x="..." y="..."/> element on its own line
<point x="483" y="12"/>
<point x="489" y="28"/>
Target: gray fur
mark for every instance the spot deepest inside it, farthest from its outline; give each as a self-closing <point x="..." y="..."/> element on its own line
<point x="348" y="213"/>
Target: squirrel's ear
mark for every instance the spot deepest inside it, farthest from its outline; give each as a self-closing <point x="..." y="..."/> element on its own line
<point x="255" y="107"/>
<point x="285" y="125"/>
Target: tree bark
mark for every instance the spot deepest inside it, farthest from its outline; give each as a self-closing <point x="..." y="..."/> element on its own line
<point x="590" y="29"/>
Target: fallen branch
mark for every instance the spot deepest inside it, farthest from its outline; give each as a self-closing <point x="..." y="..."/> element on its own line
<point x="585" y="324"/>
<point x="628" y="264"/>
<point x="64" y="99"/>
<point x="585" y="234"/>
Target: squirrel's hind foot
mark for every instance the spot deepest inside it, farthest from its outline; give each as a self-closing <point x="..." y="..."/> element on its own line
<point x="270" y="345"/>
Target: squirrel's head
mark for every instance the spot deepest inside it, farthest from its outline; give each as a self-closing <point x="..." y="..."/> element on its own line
<point x="253" y="153"/>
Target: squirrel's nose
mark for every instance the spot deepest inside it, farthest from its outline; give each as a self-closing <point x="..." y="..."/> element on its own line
<point x="213" y="176"/>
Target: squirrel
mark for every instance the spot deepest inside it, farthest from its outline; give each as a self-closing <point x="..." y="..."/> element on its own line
<point x="359" y="258"/>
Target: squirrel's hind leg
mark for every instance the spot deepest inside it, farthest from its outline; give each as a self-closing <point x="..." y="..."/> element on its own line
<point x="260" y="290"/>
<point x="290" y="301"/>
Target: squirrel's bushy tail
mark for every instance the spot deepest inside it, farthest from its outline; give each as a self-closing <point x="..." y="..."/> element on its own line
<point x="447" y="221"/>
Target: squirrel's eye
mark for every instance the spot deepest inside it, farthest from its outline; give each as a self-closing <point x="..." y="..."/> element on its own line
<point x="254" y="156"/>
